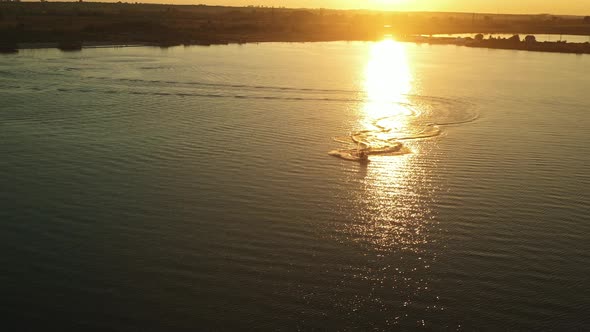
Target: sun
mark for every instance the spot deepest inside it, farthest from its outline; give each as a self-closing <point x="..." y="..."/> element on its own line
<point x="387" y="4"/>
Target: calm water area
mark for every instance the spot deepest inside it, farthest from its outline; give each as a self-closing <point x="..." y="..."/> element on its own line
<point x="184" y="189"/>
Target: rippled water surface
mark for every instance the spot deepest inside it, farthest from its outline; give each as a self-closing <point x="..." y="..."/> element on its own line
<point x="191" y="188"/>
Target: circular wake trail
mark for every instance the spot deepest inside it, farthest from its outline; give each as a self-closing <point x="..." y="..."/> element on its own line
<point x="424" y="118"/>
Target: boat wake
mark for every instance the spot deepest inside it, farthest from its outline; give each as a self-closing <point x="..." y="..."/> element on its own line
<point x="418" y="117"/>
<point x="422" y="117"/>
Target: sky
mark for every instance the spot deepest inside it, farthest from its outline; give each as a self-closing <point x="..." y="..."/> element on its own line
<point x="574" y="7"/>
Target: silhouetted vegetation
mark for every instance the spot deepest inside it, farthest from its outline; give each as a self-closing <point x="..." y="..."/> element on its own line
<point x="71" y="24"/>
<point x="71" y="45"/>
<point x="530" y="44"/>
<point x="513" y="43"/>
<point x="8" y="47"/>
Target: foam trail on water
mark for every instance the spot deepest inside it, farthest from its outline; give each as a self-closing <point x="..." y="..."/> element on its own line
<point x="424" y="118"/>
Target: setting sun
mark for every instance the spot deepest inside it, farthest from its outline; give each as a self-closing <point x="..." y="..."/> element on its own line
<point x="387" y="4"/>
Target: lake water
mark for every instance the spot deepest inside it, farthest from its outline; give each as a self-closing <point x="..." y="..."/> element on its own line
<point x="191" y="188"/>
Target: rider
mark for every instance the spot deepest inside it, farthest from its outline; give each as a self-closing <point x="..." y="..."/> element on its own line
<point x="363" y="155"/>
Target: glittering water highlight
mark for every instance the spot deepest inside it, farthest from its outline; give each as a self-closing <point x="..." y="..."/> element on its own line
<point x="421" y="117"/>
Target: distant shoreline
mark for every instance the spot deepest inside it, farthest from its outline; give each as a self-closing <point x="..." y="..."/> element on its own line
<point x="53" y="45"/>
<point x="503" y="44"/>
<point x="72" y="26"/>
<point x="516" y="42"/>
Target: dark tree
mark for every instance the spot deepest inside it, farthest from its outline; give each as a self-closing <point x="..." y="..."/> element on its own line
<point x="515" y="39"/>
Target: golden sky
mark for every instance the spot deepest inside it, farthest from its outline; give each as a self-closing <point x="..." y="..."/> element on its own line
<point x="575" y="7"/>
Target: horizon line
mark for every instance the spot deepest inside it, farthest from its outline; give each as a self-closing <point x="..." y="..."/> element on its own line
<point x="306" y="8"/>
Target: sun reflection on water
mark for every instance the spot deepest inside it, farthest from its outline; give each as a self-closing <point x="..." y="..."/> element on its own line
<point x="392" y="210"/>
<point x="390" y="217"/>
<point x="395" y="217"/>
<point x="393" y="117"/>
<point x="388" y="80"/>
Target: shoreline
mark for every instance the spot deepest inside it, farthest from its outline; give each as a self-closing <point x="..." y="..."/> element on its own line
<point x="52" y="45"/>
<point x="71" y="26"/>
<point x="502" y="44"/>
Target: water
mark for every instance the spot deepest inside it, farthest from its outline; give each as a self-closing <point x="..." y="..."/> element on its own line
<point x="190" y="188"/>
